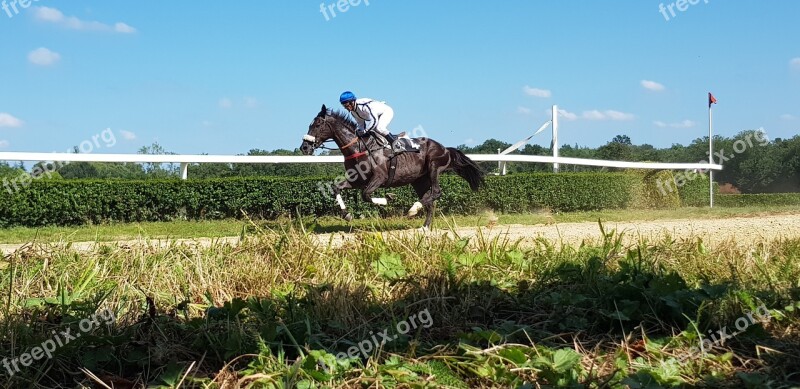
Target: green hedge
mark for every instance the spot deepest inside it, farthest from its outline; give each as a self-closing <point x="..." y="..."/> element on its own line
<point x="768" y="199"/>
<point x="693" y="190"/>
<point x="653" y="191"/>
<point x="74" y="202"/>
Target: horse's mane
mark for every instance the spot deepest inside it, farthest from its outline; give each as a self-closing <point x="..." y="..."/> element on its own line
<point x="344" y="117"/>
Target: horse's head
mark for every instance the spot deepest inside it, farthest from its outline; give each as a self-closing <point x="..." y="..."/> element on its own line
<point x="329" y="125"/>
<point x="319" y="131"/>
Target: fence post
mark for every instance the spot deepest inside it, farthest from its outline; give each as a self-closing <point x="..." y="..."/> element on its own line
<point x="555" y="138"/>
<point x="501" y="166"/>
<point x="184" y="170"/>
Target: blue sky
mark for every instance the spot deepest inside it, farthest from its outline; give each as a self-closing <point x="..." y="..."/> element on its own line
<point x="225" y="77"/>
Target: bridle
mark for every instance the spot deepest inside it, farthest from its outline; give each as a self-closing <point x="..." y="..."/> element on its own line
<point x="317" y="144"/>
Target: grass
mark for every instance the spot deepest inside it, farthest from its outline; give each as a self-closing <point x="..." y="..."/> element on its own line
<point x="225" y="228"/>
<point x="279" y="311"/>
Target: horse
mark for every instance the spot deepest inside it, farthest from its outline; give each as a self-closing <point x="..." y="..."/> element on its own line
<point x="370" y="164"/>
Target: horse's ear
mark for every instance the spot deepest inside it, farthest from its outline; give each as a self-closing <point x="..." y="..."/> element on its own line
<point x="324" y="111"/>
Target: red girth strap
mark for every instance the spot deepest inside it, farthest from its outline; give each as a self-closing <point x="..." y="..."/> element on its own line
<point x="356" y="155"/>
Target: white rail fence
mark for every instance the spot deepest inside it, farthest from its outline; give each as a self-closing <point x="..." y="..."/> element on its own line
<point x="186" y="159"/>
<point x="501" y="158"/>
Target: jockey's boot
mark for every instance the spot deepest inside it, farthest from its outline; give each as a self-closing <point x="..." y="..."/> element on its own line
<point x="390" y="139"/>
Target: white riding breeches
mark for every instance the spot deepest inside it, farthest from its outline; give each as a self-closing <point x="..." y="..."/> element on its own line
<point x="383" y="121"/>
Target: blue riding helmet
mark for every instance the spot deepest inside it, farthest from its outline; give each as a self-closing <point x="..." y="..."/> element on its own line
<point x="347" y="97"/>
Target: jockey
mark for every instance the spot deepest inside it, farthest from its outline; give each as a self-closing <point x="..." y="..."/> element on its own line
<point x="370" y="115"/>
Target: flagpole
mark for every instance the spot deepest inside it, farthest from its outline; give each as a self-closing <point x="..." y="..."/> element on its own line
<point x="710" y="157"/>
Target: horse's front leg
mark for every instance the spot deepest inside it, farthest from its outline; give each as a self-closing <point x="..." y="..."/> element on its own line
<point x="373" y="184"/>
<point x="337" y="192"/>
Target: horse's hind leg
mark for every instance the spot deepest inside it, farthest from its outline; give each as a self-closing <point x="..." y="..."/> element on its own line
<point x="426" y="200"/>
<point x="436" y="169"/>
<point x="421" y="186"/>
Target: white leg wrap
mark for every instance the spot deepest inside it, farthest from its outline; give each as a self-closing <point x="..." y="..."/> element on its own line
<point x="340" y="201"/>
<point x="415" y="209"/>
<point x="379" y="201"/>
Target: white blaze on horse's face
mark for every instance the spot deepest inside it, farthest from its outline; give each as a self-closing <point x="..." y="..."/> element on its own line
<point x="310" y="138"/>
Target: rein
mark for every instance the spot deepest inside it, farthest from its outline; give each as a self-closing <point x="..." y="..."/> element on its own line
<point x="356" y="140"/>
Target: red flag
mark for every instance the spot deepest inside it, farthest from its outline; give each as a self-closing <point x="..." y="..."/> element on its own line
<point x="711" y="99"/>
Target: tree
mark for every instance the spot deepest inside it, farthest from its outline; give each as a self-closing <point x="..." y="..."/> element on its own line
<point x="622" y="139"/>
<point x="618" y="149"/>
<point x="158" y="170"/>
<point x="645" y="152"/>
<point x="490" y="146"/>
<point x="8" y="171"/>
<point x="76" y="170"/>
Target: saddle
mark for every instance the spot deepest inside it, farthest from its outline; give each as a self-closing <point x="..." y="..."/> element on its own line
<point x="404" y="144"/>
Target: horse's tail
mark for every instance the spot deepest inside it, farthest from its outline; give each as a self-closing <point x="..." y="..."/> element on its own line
<point x="466" y="168"/>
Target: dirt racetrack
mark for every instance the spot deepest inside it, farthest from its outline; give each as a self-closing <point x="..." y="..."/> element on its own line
<point x="739" y="230"/>
<point x="742" y="231"/>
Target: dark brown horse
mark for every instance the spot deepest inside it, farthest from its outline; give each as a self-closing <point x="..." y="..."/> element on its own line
<point x="368" y="163"/>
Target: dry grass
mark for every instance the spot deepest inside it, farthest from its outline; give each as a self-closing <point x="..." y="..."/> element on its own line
<point x="503" y="314"/>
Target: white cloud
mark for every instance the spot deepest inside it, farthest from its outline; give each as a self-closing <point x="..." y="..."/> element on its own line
<point x="536" y="92"/>
<point x="53" y="15"/>
<point x="250" y="102"/>
<point x="787" y="116"/>
<point x="594" y="115"/>
<point x="225" y="103"/>
<point x="127" y="135"/>
<point x="4" y="144"/>
<point x="652" y="85"/>
<point x="6" y="120"/>
<point x="47" y="14"/>
<point x="567" y="115"/>
<point x="123" y="28"/>
<point x="617" y="115"/>
<point x="683" y="124"/>
<point x="795" y="63"/>
<point x="43" y="57"/>
<point x="607" y="115"/>
<point x="523" y="110"/>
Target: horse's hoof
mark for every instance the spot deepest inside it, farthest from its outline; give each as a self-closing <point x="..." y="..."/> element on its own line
<point x="348" y="217"/>
<point x="424" y="229"/>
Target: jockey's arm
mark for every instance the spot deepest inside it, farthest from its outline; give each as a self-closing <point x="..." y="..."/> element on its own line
<point x="370" y="120"/>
